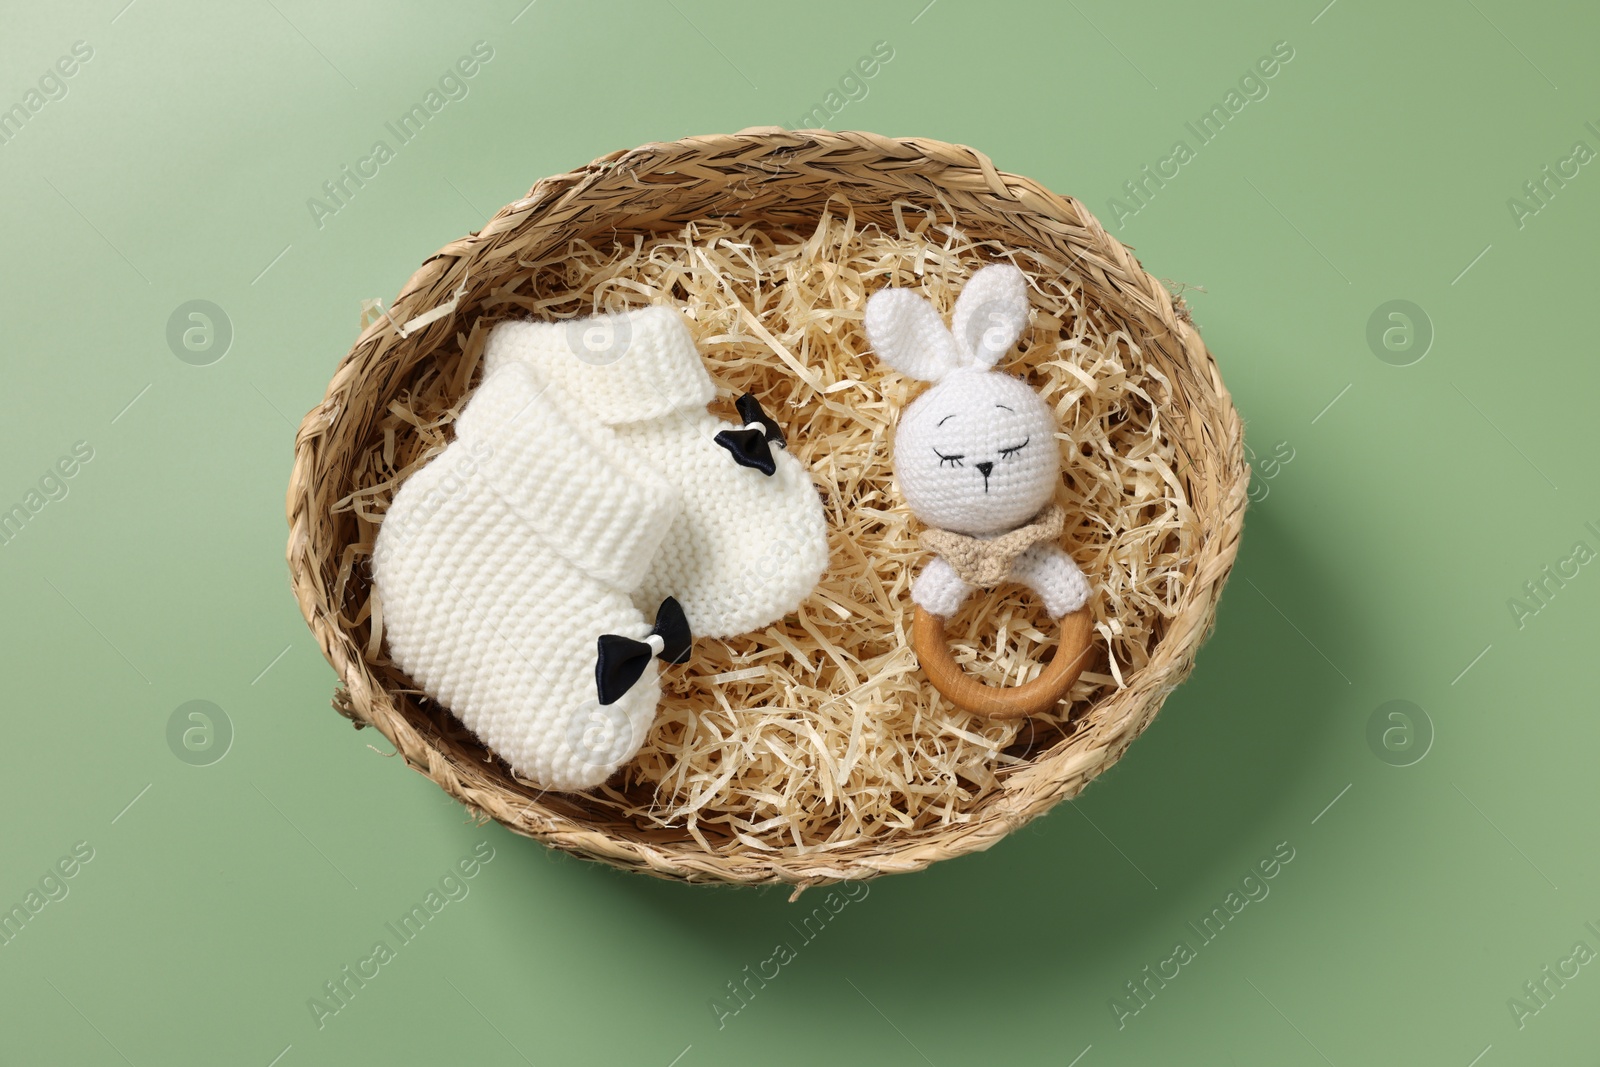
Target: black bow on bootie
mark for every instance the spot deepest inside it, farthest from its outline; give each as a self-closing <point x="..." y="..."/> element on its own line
<point x="620" y="661"/>
<point x="750" y="445"/>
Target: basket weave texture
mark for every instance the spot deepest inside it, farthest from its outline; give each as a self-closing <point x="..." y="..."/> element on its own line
<point x="771" y="175"/>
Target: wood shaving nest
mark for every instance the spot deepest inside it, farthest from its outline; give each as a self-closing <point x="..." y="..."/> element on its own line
<point x="820" y="732"/>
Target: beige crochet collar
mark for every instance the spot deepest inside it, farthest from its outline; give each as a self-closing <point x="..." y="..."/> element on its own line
<point x="986" y="562"/>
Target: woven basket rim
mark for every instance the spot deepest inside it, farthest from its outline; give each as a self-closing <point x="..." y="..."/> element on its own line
<point x="710" y="171"/>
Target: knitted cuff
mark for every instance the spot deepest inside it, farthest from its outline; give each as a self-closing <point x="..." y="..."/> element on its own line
<point x="624" y="367"/>
<point x="567" y="477"/>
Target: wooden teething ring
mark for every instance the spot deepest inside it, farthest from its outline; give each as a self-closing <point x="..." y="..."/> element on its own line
<point x="1032" y="698"/>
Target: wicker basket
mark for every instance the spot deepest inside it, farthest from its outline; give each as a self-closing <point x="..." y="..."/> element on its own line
<point x="766" y="174"/>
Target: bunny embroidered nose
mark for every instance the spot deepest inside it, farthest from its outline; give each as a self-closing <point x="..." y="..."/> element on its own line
<point x="985" y="467"/>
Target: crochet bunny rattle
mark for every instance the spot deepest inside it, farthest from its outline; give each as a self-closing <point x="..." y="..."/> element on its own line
<point x="977" y="460"/>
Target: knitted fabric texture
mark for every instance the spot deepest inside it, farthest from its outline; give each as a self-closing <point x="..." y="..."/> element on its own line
<point x="986" y="562"/>
<point x="746" y="548"/>
<point x="501" y="562"/>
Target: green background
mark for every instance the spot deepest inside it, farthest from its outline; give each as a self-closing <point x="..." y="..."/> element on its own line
<point x="1377" y="564"/>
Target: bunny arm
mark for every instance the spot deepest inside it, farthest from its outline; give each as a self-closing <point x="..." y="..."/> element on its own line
<point x="1045" y="568"/>
<point x="938" y="590"/>
<point x="1049" y="571"/>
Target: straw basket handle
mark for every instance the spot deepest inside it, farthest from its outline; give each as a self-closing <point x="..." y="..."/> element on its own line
<point x="1033" y="698"/>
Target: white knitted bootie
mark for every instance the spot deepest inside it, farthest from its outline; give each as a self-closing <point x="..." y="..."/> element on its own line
<point x="751" y="541"/>
<point x="503" y="571"/>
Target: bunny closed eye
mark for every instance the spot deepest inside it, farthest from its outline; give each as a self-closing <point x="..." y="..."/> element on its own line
<point x="984" y="467"/>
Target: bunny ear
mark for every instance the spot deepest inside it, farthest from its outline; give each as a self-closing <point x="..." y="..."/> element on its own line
<point x="990" y="314"/>
<point x="908" y="335"/>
